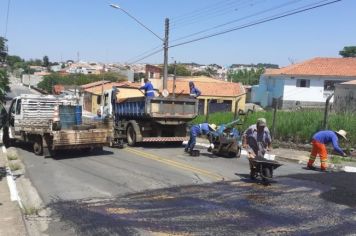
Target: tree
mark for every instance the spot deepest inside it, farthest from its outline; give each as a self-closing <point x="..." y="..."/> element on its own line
<point x="246" y="77"/>
<point x="46" y="62"/>
<point x="4" y="84"/>
<point x="3" y="49"/>
<point x="12" y="60"/>
<point x="349" y="51"/>
<point x="181" y="70"/>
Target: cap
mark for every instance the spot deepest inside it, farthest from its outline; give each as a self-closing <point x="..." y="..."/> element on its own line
<point x="261" y="122"/>
<point x="342" y="133"/>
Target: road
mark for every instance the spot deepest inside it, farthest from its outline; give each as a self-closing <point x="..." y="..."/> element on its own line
<point x="160" y="190"/>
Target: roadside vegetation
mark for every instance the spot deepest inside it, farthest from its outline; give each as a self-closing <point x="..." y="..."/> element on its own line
<point x="14" y="166"/>
<point x="297" y="127"/>
<point x="76" y="79"/>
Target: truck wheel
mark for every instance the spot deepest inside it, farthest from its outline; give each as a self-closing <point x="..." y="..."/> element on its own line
<point x="37" y="147"/>
<point x="131" y="136"/>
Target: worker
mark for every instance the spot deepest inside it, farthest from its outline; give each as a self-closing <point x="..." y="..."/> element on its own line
<point x="319" y="140"/>
<point x="98" y="115"/>
<point x="148" y="87"/>
<point x="194" y="91"/>
<point x="197" y="130"/>
<point x="257" y="141"/>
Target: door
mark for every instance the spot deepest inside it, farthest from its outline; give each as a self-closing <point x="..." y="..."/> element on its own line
<point x="14" y="117"/>
<point x="11" y="118"/>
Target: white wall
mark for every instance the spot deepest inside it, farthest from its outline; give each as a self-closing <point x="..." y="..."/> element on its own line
<point x="312" y="94"/>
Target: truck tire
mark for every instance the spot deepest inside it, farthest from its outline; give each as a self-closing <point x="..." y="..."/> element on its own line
<point x="131" y="136"/>
<point x="37" y="146"/>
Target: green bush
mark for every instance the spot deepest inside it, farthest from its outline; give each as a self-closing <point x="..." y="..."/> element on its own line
<point x="76" y="79"/>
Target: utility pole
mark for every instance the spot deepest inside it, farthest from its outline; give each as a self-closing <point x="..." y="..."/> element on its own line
<point x="165" y="47"/>
<point x="174" y="79"/>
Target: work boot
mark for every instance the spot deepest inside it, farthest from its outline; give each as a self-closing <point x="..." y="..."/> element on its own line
<point x="311" y="167"/>
<point x="186" y="149"/>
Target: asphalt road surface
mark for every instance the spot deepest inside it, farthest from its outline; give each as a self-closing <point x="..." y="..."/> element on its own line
<point x="160" y="190"/>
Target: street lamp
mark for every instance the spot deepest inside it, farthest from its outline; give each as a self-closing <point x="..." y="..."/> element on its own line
<point x="164" y="40"/>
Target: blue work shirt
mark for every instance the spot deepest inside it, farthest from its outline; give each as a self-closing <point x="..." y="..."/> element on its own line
<point x="200" y="129"/>
<point x="148" y="87"/>
<point x="328" y="136"/>
<point x="194" y="92"/>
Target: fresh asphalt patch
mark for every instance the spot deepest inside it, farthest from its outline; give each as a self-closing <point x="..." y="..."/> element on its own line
<point x="289" y="206"/>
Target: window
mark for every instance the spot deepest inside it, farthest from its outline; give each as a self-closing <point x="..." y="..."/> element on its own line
<point x="18" y="107"/>
<point x="98" y="100"/>
<point x="151" y="75"/>
<point x="303" y="83"/>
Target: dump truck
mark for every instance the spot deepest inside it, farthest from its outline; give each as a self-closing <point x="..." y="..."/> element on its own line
<point x="148" y="119"/>
<point x="52" y="123"/>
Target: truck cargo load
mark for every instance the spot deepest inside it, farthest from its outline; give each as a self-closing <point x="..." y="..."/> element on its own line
<point x="52" y="123"/>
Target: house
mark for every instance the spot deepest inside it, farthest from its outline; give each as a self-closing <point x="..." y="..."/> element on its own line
<point x="219" y="95"/>
<point x="92" y="93"/>
<point x="306" y="84"/>
<point x="345" y="97"/>
<point x="153" y="72"/>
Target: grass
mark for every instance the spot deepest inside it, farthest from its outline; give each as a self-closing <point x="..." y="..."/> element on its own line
<point x="14" y="166"/>
<point x="340" y="159"/>
<point x="296" y="127"/>
<point x="30" y="210"/>
<point x="12" y="156"/>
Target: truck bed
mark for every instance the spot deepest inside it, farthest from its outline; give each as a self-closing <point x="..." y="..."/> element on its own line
<point x="183" y="109"/>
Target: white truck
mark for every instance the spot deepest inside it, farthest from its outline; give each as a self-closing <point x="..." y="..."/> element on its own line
<point x="52" y="123"/>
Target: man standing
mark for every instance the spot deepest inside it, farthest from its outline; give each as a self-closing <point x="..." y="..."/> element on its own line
<point x="319" y="140"/>
<point x="148" y="87"/>
<point x="197" y="130"/>
<point x="194" y="91"/>
<point x="98" y="116"/>
<point x="257" y="140"/>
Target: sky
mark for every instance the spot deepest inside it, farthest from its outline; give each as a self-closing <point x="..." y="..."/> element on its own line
<point x="91" y="30"/>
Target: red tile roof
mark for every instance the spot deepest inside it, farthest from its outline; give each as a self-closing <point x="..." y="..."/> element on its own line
<point x="339" y="67"/>
<point x="211" y="88"/>
<point x="98" y="89"/>
<point x="85" y="86"/>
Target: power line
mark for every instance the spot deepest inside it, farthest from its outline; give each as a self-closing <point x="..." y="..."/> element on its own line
<point x="192" y="13"/>
<point x="142" y="58"/>
<point x="144" y="53"/>
<point x="236" y="20"/>
<point x="216" y="13"/>
<point x="255" y="23"/>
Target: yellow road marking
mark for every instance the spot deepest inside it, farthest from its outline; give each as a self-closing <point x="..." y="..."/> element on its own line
<point x="175" y="164"/>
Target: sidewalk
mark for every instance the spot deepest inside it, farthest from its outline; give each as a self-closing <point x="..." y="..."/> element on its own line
<point x="11" y="221"/>
<point x="292" y="155"/>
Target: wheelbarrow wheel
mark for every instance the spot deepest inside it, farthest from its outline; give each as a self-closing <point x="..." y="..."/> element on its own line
<point x="267" y="174"/>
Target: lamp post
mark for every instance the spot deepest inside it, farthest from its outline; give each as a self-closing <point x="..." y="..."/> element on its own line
<point x="164" y="40"/>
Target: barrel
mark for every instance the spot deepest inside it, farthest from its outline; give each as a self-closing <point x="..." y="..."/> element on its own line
<point x="78" y="115"/>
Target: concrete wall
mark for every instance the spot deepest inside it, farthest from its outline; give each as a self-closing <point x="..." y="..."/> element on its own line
<point x="345" y="98"/>
<point x="31" y="80"/>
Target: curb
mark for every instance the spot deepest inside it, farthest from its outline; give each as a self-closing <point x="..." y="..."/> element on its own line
<point x="14" y="194"/>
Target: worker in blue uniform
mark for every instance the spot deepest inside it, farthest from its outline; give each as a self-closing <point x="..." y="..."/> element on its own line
<point x="197" y="130"/>
<point x="148" y="87"/>
<point x="194" y="91"/>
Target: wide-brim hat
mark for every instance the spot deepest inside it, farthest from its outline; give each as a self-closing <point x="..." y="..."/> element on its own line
<point x="213" y="126"/>
<point x="342" y="133"/>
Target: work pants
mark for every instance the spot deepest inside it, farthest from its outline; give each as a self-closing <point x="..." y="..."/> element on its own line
<point x="318" y="149"/>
